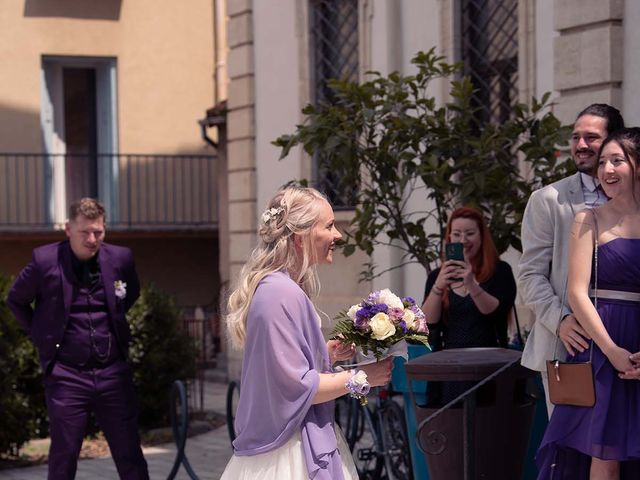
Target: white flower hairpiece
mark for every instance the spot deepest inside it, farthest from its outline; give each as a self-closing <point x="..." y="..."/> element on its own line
<point x="271" y="213"/>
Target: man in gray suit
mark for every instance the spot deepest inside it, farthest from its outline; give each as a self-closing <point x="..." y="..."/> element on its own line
<point x="546" y="226"/>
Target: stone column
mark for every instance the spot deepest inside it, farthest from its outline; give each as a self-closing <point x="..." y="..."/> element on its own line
<point x="241" y="147"/>
<point x="587" y="54"/>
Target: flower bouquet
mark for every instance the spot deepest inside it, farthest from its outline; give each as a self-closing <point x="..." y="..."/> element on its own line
<point x="380" y="321"/>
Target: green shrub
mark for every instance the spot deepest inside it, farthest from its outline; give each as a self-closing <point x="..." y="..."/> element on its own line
<point x="23" y="411"/>
<point x="160" y="353"/>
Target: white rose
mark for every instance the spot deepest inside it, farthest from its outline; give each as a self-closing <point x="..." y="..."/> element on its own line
<point x="381" y="326"/>
<point x="409" y="319"/>
<point x="360" y="378"/>
<point x="389" y="298"/>
<point x="352" y="311"/>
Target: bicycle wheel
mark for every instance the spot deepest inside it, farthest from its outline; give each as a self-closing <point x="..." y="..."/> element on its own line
<point x="395" y="440"/>
<point x="233" y="394"/>
<point x="349" y="419"/>
<point x="368" y="453"/>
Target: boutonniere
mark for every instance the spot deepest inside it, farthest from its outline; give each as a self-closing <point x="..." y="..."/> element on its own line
<point x="121" y="289"/>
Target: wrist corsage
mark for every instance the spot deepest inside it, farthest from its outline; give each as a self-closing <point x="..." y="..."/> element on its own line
<point x="358" y="386"/>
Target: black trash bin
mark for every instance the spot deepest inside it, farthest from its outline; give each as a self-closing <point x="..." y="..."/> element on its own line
<point x="484" y="439"/>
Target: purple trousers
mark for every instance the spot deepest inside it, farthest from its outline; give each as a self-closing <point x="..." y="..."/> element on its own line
<point x="71" y="396"/>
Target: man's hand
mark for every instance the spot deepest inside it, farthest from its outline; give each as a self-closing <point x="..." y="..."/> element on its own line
<point x="573" y="336"/>
<point x="620" y="358"/>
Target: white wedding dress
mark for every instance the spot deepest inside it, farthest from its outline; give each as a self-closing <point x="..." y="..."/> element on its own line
<point x="284" y="463"/>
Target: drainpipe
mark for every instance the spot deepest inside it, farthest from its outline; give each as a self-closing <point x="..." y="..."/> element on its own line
<point x="213" y="116"/>
<point x="204" y="123"/>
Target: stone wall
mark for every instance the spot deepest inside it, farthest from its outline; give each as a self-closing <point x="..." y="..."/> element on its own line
<point x="588" y="55"/>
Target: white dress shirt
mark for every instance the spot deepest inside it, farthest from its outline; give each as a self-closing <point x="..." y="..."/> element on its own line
<point x="593" y="194"/>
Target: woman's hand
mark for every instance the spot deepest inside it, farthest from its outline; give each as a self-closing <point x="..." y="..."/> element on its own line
<point x="620" y="358"/>
<point x="450" y="272"/>
<point x="465" y="272"/>
<point x="378" y="373"/>
<point x="339" y="351"/>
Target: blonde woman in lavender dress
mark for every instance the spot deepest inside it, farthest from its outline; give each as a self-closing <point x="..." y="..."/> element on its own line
<point x="285" y="416"/>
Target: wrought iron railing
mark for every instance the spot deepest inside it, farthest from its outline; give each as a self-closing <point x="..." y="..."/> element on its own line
<point x="489" y="51"/>
<point x="334" y="55"/>
<point x="203" y="327"/>
<point x="139" y="191"/>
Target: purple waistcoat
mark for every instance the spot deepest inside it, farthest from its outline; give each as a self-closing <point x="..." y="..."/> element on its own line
<point x="88" y="338"/>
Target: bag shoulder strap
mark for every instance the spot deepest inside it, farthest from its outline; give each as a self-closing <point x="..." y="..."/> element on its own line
<point x="596" y="233"/>
<point x="595" y="286"/>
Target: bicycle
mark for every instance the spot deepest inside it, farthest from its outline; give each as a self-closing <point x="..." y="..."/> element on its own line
<point x="376" y="435"/>
<point x="233" y="394"/>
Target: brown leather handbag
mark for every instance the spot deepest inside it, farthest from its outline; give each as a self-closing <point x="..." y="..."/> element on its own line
<point x="571" y="383"/>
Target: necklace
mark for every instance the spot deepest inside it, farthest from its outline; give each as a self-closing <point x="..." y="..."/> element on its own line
<point x="100" y="356"/>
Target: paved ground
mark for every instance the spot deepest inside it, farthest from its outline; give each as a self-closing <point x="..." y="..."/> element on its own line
<point x="208" y="453"/>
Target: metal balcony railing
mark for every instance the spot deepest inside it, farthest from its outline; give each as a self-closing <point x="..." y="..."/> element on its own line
<point x="139" y="191"/>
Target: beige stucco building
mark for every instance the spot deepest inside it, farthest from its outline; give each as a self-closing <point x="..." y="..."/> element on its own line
<point x="103" y="98"/>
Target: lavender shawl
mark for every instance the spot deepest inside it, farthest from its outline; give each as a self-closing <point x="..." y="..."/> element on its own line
<point x="284" y="354"/>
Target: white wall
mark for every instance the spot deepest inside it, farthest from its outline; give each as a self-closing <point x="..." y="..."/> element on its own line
<point x="544" y="47"/>
<point x="631" y="69"/>
<point x="278" y="91"/>
<point x="398" y="31"/>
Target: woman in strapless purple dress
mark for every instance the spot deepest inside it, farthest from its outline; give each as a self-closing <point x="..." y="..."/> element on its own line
<point x="603" y="442"/>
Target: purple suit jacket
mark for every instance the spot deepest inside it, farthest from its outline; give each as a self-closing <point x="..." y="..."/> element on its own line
<point x="41" y="296"/>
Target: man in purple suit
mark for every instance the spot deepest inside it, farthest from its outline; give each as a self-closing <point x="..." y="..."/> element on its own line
<point x="72" y="299"/>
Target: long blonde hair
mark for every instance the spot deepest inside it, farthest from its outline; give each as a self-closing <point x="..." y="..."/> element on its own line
<point x="292" y="210"/>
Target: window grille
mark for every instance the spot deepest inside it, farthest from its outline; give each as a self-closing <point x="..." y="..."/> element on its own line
<point x="334" y="55"/>
<point x="490" y="55"/>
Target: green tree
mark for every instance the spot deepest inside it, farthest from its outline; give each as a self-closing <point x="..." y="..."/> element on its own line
<point x="389" y="139"/>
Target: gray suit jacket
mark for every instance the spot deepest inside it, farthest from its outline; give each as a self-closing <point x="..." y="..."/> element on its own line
<point x="544" y="265"/>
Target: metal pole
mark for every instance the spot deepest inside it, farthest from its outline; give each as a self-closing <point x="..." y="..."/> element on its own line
<point x="468" y="436"/>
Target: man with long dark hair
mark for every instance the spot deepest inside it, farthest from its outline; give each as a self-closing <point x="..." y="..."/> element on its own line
<point x="546" y="226"/>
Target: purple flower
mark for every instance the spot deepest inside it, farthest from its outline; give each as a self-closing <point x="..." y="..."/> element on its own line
<point x="417" y="312"/>
<point x="422" y="325"/>
<point x="408" y="302"/>
<point x="403" y="326"/>
<point x="361" y="322"/>
<point x="396" y="314"/>
<point x="366" y="313"/>
<point x="369" y="310"/>
<point x="373" y="297"/>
